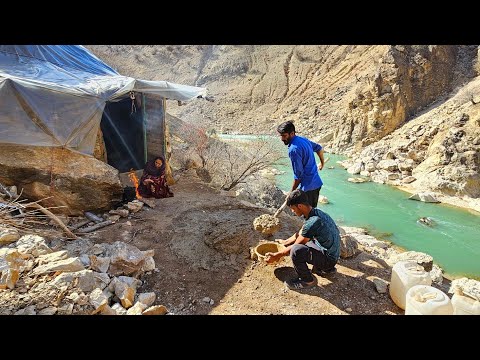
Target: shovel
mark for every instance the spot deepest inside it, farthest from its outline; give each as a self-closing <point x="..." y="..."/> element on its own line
<point x="285" y="202"/>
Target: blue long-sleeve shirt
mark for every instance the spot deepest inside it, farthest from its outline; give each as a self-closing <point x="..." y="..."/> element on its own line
<point x="301" y="153"/>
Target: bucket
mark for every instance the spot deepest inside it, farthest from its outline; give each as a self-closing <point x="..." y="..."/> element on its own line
<point x="406" y="274"/>
<point x="262" y="249"/>
<point x="427" y="300"/>
<point x="465" y="305"/>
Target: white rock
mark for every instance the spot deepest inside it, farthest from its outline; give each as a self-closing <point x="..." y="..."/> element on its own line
<point x="420" y="258"/>
<point x="466" y="287"/>
<point x="393" y="176"/>
<point x="137" y="309"/>
<point x="48" y="311"/>
<point x="101" y="280"/>
<point x="380" y="284"/>
<point x="120" y="310"/>
<point x="86" y="280"/>
<point x="29" y="310"/>
<point x="130" y="281"/>
<point x="85" y="259"/>
<point x="32" y="244"/>
<point x="388" y="165"/>
<point x="8" y="235"/>
<point x="368" y="240"/>
<point x="147" y="298"/>
<point x="156" y="310"/>
<point x="436" y="274"/>
<point x="65" y="309"/>
<point x="66" y="265"/>
<point x="408" y="179"/>
<point x="355" y="168"/>
<point x="107" y="310"/>
<point x="52" y="257"/>
<point x="149" y="264"/>
<point x="125" y="293"/>
<point x="425" y="197"/>
<point x="98" y="300"/>
<point x="358" y="180"/>
<point x="100" y="264"/>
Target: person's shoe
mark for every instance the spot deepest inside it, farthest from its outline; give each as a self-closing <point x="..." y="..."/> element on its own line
<point x="299" y="284"/>
<point x="324" y="272"/>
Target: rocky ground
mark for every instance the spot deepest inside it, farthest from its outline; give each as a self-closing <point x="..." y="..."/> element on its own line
<point x="200" y="241"/>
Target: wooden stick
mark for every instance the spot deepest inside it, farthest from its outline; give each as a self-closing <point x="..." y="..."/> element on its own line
<point x="96" y="227"/>
<point x="93" y="217"/>
<point x="79" y="225"/>
<point x="54" y="218"/>
<point x="280" y="209"/>
<point x="285" y="202"/>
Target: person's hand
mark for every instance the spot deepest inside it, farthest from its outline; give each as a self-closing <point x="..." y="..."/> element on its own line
<point x="272" y="257"/>
<point x="320" y="166"/>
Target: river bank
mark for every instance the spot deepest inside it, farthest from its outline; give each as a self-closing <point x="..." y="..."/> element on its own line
<point x="465" y="203"/>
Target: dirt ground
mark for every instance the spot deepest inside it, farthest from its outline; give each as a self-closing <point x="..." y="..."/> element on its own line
<point x="202" y="238"/>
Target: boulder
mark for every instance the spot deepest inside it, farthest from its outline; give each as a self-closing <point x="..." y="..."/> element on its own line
<point x="126" y="259"/>
<point x="75" y="181"/>
<point x="425" y="197"/>
<point x="348" y="246"/>
<point x="420" y="258"/>
<point x="466" y="287"/>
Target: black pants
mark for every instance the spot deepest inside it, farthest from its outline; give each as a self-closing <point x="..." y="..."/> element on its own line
<point x="309" y="253"/>
<point x="312" y="196"/>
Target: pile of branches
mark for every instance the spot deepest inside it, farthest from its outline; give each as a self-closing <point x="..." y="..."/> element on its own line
<point x="24" y="215"/>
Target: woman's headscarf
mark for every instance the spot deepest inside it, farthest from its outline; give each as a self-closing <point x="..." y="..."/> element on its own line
<point x="151" y="169"/>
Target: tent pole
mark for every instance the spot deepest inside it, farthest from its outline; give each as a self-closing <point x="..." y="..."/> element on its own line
<point x="145" y="150"/>
<point x="164" y="116"/>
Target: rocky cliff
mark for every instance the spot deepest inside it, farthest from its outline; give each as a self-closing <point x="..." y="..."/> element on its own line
<point x="345" y="97"/>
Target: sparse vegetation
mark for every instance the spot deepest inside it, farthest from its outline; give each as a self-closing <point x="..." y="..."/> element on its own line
<point x="230" y="166"/>
<point x="468" y="94"/>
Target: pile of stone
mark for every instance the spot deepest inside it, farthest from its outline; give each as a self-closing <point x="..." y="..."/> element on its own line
<point x="78" y="278"/>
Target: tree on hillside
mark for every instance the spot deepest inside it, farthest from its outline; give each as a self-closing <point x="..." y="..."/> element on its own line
<point x="231" y="165"/>
<point x="223" y="164"/>
<point x="197" y="140"/>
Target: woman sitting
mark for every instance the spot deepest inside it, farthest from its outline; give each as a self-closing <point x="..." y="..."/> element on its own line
<point x="153" y="182"/>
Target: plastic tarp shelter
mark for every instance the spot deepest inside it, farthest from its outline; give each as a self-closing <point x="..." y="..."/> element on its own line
<point x="54" y="95"/>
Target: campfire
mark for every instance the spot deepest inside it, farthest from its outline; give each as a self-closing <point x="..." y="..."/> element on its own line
<point x="134" y="180"/>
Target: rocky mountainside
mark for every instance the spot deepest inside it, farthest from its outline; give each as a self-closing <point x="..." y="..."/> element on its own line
<point x="345" y="97"/>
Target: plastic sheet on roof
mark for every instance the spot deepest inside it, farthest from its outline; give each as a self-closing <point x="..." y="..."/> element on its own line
<point x="54" y="95"/>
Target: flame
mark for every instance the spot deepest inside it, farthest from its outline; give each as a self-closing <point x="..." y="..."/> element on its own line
<point x="134" y="179"/>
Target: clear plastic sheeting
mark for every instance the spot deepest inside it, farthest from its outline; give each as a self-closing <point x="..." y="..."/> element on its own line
<point x="169" y="90"/>
<point x="73" y="57"/>
<point x="54" y="95"/>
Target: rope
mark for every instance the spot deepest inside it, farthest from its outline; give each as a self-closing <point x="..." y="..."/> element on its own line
<point x="132" y="96"/>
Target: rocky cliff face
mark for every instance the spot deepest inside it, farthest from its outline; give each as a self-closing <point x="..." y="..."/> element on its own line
<point x="345" y="97"/>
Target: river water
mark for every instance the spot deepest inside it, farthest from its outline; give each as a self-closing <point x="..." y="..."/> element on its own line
<point x="388" y="214"/>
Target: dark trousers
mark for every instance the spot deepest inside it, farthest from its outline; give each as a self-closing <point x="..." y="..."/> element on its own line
<point x="312" y="196"/>
<point x="309" y="253"/>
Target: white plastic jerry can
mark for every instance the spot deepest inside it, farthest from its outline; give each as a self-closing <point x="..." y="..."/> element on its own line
<point x="406" y="274"/>
<point x="465" y="305"/>
<point x="427" y="300"/>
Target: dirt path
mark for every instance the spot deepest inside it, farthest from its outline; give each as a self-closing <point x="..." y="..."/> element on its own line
<point x="201" y="240"/>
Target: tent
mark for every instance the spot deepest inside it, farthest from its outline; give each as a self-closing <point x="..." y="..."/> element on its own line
<point x="62" y="95"/>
